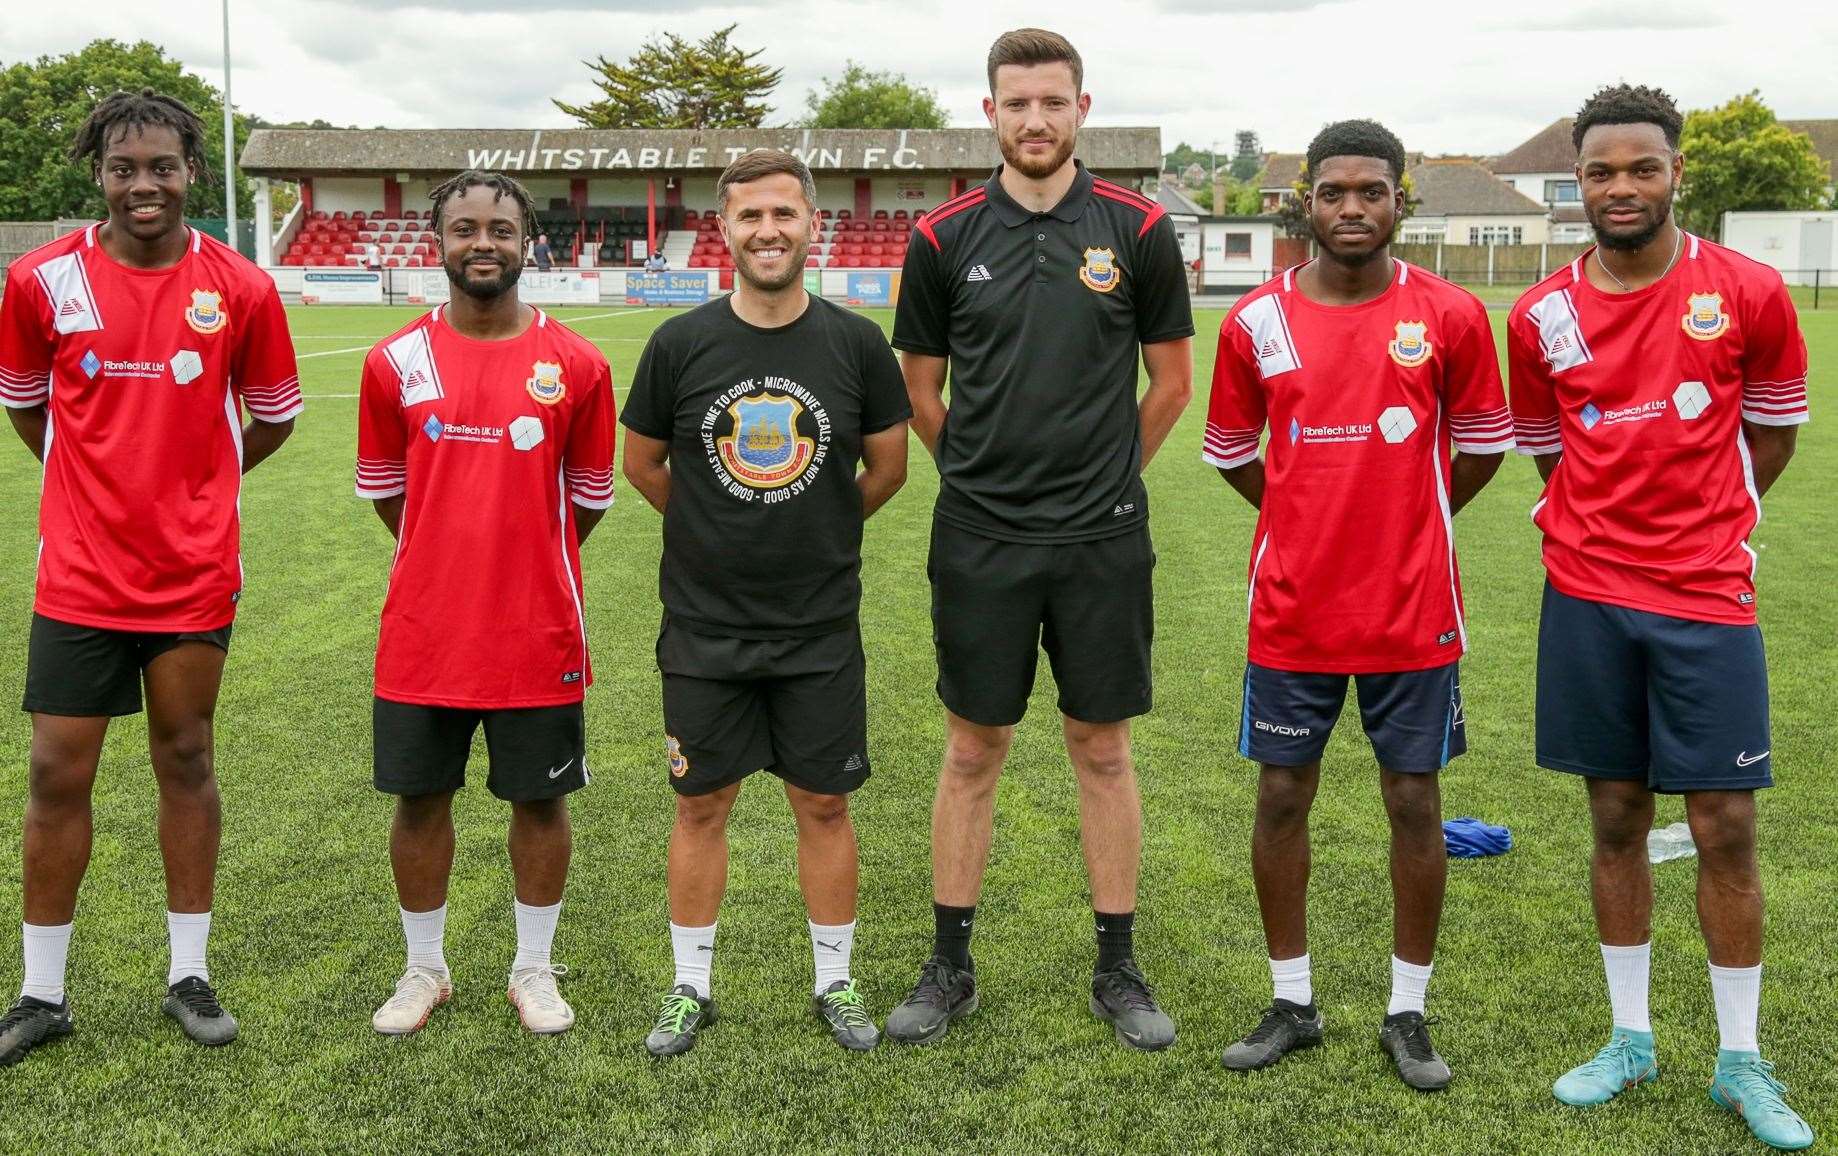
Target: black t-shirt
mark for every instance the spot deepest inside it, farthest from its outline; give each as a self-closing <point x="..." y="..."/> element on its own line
<point x="763" y="530"/>
<point x="1043" y="316"/>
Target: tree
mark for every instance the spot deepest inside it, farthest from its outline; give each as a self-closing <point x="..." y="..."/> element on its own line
<point x="1739" y="157"/>
<point x="1184" y="155"/>
<point x="863" y="99"/>
<point x="1247" y="156"/>
<point x="43" y="102"/>
<point x="673" y="83"/>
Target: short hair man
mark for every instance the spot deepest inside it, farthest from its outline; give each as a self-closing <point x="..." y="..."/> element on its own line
<point x="1038" y="289"/>
<point x="141" y="341"/>
<point x="1365" y="369"/>
<point x="485" y="438"/>
<point x="541" y="253"/>
<point x="656" y="263"/>
<point x="1659" y="380"/>
<point x="746" y="421"/>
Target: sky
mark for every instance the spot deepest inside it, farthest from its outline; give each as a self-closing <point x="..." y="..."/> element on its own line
<point x="1449" y="76"/>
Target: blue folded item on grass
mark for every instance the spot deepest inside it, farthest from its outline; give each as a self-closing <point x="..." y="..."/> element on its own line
<point x="1473" y="839"/>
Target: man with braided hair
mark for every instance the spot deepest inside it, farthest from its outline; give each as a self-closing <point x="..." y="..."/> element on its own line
<point x="141" y="342"/>
<point x="485" y="438"/>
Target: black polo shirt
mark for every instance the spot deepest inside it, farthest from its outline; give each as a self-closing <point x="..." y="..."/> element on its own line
<point x="1043" y="316"/>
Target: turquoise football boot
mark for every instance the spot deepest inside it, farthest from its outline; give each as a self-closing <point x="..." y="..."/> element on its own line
<point x="1745" y="1084"/>
<point x="1625" y="1062"/>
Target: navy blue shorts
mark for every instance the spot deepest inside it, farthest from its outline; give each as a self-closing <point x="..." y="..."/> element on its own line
<point x="1414" y="718"/>
<point x="1628" y="694"/>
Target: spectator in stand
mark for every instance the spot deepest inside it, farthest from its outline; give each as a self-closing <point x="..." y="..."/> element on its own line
<point x="656" y="263"/>
<point x="541" y="252"/>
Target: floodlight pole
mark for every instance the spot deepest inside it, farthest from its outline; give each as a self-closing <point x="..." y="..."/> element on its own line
<point x="229" y="139"/>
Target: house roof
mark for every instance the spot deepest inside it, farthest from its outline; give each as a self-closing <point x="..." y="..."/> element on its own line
<point x="1824" y="134"/>
<point x="1548" y="151"/>
<point x="1177" y="202"/>
<point x="1281" y="170"/>
<point x="1466" y="188"/>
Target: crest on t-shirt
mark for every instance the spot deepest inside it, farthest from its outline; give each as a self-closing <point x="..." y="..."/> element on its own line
<point x="206" y="313"/>
<point x="545" y="383"/>
<point x="1705" y="317"/>
<point x="1100" y="272"/>
<point x="1410" y="347"/>
<point x="765" y="451"/>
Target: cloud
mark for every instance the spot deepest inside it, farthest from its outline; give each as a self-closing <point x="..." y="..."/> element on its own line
<point x="1618" y="17"/>
<point x="1241" y="7"/>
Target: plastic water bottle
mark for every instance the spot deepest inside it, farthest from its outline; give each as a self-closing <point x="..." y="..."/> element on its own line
<point x="1672" y="842"/>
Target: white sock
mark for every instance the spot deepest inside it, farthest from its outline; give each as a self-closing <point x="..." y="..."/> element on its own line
<point x="694" y="948"/>
<point x="1290" y="978"/>
<point x="831" y="947"/>
<point x="425" y="932"/>
<point x="46" y="948"/>
<point x="1628" y="969"/>
<point x="189" y="934"/>
<point x="1409" y="983"/>
<point x="535" y="934"/>
<point x="1737" y="991"/>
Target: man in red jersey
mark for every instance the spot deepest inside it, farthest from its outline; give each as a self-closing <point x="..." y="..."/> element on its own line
<point x="127" y="354"/>
<point x="1365" y="369"/>
<point x="485" y="438"/>
<point x="1659" y="380"/>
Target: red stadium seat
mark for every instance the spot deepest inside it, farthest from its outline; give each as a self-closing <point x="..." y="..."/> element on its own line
<point x="412" y="214"/>
<point x="339" y="215"/>
<point x="319" y="214"/>
<point x="810" y="262"/>
<point x="400" y="251"/>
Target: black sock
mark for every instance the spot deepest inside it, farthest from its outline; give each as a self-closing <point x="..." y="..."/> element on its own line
<point x="1116" y="938"/>
<point x="951" y="934"/>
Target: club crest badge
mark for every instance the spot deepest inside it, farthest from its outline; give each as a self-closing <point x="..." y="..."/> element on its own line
<point x="765" y="451"/>
<point x="679" y="765"/>
<point x="1705" y="318"/>
<point x="545" y="383"/>
<point x="1410" y="347"/>
<point x="206" y="313"/>
<point x="1099" y="272"/>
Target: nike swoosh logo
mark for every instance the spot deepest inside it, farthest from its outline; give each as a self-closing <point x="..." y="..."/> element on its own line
<point x="1134" y="1036"/>
<point x="1745" y="759"/>
<point x="965" y="923"/>
<point x="558" y="772"/>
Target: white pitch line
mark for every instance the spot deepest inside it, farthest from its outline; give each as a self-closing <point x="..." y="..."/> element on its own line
<point x="331" y="352"/>
<point x="617" y="390"/>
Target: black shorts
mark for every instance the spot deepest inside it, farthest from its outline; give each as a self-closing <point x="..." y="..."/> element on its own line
<point x="995" y="604"/>
<point x="537" y="752"/>
<point x="1670" y="702"/>
<point x="87" y="670"/>
<point x="1413" y="718"/>
<point x="797" y="707"/>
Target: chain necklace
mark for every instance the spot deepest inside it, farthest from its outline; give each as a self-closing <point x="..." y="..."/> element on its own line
<point x="1678" y="246"/>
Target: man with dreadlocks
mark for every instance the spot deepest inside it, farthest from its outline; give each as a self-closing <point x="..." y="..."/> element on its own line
<point x="141" y="342"/>
<point x="485" y="438"/>
<point x="1659" y="380"/>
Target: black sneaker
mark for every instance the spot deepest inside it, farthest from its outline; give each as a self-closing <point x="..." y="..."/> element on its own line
<point x="1407" y="1037"/>
<point x="1285" y="1027"/>
<point x="192" y="1002"/>
<point x="29" y="1023"/>
<point x="841" y="1009"/>
<point x="1123" y="998"/>
<point x="944" y="993"/>
<point x="684" y="1015"/>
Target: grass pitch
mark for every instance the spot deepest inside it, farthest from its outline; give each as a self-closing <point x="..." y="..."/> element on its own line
<point x="306" y="940"/>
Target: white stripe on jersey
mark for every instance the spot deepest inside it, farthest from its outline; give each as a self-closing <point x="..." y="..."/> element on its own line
<point x="73" y="302"/>
<point x="1560" y="333"/>
<point x="1271" y="342"/>
<point x="1748" y="483"/>
<point x="1448" y="532"/>
<point x="574" y="591"/>
<point x="412" y="357"/>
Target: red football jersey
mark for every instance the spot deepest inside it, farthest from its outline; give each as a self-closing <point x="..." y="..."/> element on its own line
<point x="1353" y="565"/>
<point x="1644" y="394"/>
<point x="142" y="370"/>
<point x="493" y="443"/>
